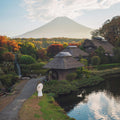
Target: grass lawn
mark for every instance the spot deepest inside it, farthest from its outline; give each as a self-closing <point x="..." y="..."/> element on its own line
<point x="44" y="108"/>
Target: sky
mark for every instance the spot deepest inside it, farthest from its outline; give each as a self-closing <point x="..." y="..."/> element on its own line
<point x="20" y="16"/>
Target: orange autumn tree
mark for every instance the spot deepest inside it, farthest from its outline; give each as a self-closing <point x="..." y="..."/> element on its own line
<point x="11" y="45"/>
<point x="75" y="44"/>
<point x="41" y="54"/>
<point x="8" y="56"/>
<point x="53" y="49"/>
<point x="3" y="41"/>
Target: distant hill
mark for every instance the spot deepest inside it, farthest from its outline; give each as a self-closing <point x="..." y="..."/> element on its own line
<point x="59" y="27"/>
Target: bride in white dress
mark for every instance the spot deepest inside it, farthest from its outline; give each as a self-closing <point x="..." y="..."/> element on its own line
<point x="39" y="89"/>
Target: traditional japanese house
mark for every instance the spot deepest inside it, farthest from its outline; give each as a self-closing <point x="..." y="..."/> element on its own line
<point x="76" y="52"/>
<point x="62" y="64"/>
<point x="92" y="45"/>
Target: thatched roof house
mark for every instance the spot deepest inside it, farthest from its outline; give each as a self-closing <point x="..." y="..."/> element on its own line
<point x="75" y="52"/>
<point x="91" y="45"/>
<point x="62" y="64"/>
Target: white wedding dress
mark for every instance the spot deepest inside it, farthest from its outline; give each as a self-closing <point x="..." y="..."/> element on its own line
<point x="39" y="89"/>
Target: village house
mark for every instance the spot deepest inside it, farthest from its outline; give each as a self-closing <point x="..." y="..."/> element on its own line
<point x="76" y="52"/>
<point x="62" y="64"/>
<point x="92" y="45"/>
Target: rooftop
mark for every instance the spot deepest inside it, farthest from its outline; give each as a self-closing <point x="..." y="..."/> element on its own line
<point x="63" y="54"/>
<point x="63" y="60"/>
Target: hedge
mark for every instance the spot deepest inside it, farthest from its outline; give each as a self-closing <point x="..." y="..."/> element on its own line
<point x="107" y="66"/>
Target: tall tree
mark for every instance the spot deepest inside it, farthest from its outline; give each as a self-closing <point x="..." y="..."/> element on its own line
<point x="53" y="49"/>
<point x="110" y="30"/>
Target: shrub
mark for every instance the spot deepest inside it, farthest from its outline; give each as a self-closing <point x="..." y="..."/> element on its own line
<point x="1" y="71"/>
<point x="84" y="61"/>
<point x="50" y="59"/>
<point x="37" y="66"/>
<point x="57" y="87"/>
<point x="91" y="81"/>
<point x="38" y="72"/>
<point x="2" y="51"/>
<point x="95" y="60"/>
<point x="7" y="67"/>
<point x="71" y="76"/>
<point x="107" y="66"/>
<point x="82" y="72"/>
<point x="8" y="80"/>
<point x="8" y="56"/>
<point x="26" y="59"/>
<point x="25" y="69"/>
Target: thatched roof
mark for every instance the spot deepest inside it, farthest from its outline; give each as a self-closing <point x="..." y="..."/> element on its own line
<point x="105" y="44"/>
<point x="63" y="60"/>
<point x="75" y="51"/>
<point x="95" y="43"/>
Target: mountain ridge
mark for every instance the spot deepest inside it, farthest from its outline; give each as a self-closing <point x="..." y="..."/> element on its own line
<point x="59" y="27"/>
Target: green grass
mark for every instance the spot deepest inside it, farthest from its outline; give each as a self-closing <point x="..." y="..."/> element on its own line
<point x="51" y="110"/>
<point x="36" y="115"/>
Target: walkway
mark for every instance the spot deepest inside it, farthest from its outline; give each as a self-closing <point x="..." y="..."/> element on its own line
<point x="10" y="112"/>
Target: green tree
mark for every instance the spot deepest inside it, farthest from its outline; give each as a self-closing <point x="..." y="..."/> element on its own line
<point x="95" y="60"/>
<point x="110" y="30"/>
<point x="26" y="59"/>
<point x="84" y="61"/>
<point x="28" y="48"/>
<point x="101" y="53"/>
<point x="116" y="54"/>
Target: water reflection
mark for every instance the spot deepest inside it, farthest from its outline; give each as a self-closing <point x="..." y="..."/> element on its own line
<point x="97" y="103"/>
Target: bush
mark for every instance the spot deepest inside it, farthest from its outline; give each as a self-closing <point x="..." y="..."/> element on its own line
<point x="26" y="59"/>
<point x="107" y="66"/>
<point x="25" y="69"/>
<point x="50" y="59"/>
<point x="84" y="61"/>
<point x="71" y="76"/>
<point x="57" y="87"/>
<point x="91" y="81"/>
<point x="82" y="72"/>
<point x="37" y="66"/>
<point x="1" y="72"/>
<point x="8" y="80"/>
<point x="2" y="51"/>
<point x="38" y="72"/>
<point x="95" y="60"/>
<point x="8" y="67"/>
<point x="65" y="87"/>
<point x="8" y="56"/>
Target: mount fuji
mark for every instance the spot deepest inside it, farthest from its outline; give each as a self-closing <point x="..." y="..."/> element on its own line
<point x="59" y="27"/>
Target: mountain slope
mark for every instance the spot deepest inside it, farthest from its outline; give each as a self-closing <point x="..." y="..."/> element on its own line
<point x="59" y="27"/>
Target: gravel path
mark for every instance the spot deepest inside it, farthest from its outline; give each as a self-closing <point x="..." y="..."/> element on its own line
<point x="10" y="112"/>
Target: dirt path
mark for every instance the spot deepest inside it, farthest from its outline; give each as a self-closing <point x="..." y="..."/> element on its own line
<point x="10" y="112"/>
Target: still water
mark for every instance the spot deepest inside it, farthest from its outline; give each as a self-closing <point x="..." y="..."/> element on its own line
<point x="101" y="102"/>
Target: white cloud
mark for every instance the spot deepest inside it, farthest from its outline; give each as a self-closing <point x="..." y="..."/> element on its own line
<point x="45" y="10"/>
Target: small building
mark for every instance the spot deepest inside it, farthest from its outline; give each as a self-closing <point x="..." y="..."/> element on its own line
<point x="76" y="52"/>
<point x="62" y="64"/>
<point x="92" y="45"/>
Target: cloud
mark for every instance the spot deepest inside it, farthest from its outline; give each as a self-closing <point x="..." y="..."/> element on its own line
<point x="44" y="10"/>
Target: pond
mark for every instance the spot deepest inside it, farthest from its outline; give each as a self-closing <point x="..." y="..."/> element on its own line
<point x="101" y="102"/>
